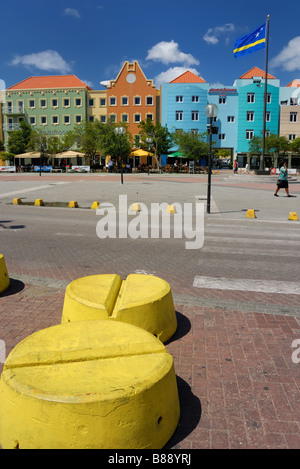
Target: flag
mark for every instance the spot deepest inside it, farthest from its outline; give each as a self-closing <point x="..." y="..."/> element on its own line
<point x="250" y="43"/>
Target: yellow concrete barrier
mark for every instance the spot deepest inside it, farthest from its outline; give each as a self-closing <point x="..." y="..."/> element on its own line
<point x="171" y="209"/>
<point x="293" y="216"/>
<point x="88" y="385"/>
<point x="73" y="204"/>
<point x="17" y="201"/>
<point x="39" y="202"/>
<point x="95" y="205"/>
<point x="142" y="300"/>
<point x="135" y="207"/>
<point x="4" y="278"/>
<point x="250" y="213"/>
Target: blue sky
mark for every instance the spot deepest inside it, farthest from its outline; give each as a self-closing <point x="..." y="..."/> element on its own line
<point x="92" y="39"/>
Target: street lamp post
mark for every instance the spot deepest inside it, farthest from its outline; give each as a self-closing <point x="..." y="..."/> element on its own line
<point x="120" y="131"/>
<point x="149" y="140"/>
<point x="211" y="111"/>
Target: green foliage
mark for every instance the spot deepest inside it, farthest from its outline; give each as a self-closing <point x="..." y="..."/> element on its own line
<point x="19" y="139"/>
<point x="295" y="145"/>
<point x="193" y="145"/>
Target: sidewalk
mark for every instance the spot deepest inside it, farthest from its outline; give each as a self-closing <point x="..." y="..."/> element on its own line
<point x="233" y="350"/>
<point x="238" y="385"/>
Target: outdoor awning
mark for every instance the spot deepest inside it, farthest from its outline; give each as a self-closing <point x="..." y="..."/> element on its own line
<point x="30" y="154"/>
<point x="69" y="154"/>
<point x="176" y="154"/>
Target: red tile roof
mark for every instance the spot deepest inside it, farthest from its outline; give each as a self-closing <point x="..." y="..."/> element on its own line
<point x="54" y="81"/>
<point x="294" y="84"/>
<point x="188" y="77"/>
<point x="256" y="72"/>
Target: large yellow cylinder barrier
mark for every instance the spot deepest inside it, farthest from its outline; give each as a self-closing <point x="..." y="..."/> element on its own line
<point x="92" y="384"/>
<point x="142" y="300"/>
<point x="4" y="278"/>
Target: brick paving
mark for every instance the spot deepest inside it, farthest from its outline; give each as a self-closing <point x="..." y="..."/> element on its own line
<point x="238" y="385"/>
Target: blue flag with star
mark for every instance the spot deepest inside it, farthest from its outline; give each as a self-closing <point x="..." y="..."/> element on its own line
<point x="250" y="43"/>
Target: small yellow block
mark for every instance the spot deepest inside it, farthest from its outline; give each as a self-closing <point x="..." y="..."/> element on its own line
<point x="4" y="278"/>
<point x="145" y="301"/>
<point x="88" y="385"/>
<point x="39" y="202"/>
<point x="73" y="204"/>
<point x="135" y="207"/>
<point x="250" y="213"/>
<point x="293" y="216"/>
<point x="17" y="202"/>
<point x="95" y="205"/>
<point x="171" y="209"/>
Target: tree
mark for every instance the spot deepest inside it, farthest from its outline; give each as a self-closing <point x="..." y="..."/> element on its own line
<point x="294" y="145"/>
<point x="19" y="139"/>
<point x="109" y="143"/>
<point x="161" y="137"/>
<point x="193" y="145"/>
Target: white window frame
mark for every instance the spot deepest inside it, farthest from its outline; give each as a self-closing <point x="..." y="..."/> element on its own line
<point x="65" y="116"/>
<point x="250" y="116"/>
<point x="293" y="117"/>
<point x="179" y="99"/>
<point x="43" y="123"/>
<point x="222" y="136"/>
<point x="195" y="116"/>
<point x="41" y="106"/>
<point x="75" y="119"/>
<point x="195" y="99"/>
<point x="66" y="105"/>
<point x="139" y="98"/>
<point x="222" y="99"/>
<point x="137" y="117"/>
<point x="110" y="101"/>
<point x="152" y="100"/>
<point x="249" y="134"/>
<point x="31" y="107"/>
<point x="52" y="104"/>
<point x="127" y="101"/>
<point x="230" y="119"/>
<point x="250" y="97"/>
<point x="179" y="116"/>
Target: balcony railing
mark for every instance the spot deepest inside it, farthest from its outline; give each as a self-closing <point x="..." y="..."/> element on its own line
<point x="11" y="127"/>
<point x="13" y="109"/>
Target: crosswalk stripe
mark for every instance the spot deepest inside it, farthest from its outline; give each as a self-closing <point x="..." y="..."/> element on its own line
<point x="266" y="286"/>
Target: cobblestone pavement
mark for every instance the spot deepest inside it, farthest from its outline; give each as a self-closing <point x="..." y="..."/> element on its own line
<point x="237" y="370"/>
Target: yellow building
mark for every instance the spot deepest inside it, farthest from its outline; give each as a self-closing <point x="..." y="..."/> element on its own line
<point x="97" y="105"/>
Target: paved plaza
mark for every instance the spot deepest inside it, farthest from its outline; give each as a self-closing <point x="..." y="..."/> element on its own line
<point x="236" y="296"/>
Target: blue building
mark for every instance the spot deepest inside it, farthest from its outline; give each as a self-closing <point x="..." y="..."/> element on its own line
<point x="182" y="103"/>
<point x="251" y="87"/>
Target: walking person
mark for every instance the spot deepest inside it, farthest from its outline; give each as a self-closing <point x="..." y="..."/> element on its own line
<point x="282" y="182"/>
<point x="235" y="167"/>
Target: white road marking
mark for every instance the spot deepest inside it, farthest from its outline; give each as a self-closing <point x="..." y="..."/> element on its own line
<point x="30" y="189"/>
<point x="265" y="286"/>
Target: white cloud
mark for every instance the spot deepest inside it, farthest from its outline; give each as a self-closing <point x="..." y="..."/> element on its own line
<point x="212" y="36"/>
<point x="48" y="60"/>
<point x="72" y="12"/>
<point x="168" y="52"/>
<point x="289" y="57"/>
<point x="171" y="74"/>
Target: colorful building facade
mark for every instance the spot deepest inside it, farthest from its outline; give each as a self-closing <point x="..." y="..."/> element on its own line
<point x="132" y="98"/>
<point x="58" y="103"/>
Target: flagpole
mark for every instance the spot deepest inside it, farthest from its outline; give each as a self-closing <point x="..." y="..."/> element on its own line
<point x="262" y="161"/>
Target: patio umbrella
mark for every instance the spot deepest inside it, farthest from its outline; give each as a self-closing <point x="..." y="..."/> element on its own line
<point x="140" y="152"/>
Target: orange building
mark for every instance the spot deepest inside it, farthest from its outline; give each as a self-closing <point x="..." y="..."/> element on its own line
<point x="132" y="98"/>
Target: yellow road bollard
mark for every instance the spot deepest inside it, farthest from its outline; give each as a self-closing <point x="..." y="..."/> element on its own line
<point x="39" y="202"/>
<point x="73" y="204"/>
<point x="95" y="205"/>
<point x="4" y="278"/>
<point x="293" y="216"/>
<point x="250" y="213"/>
<point x="135" y="207"/>
<point x="88" y="385"/>
<point x="142" y="300"/>
<point x="171" y="209"/>
<point x="17" y="201"/>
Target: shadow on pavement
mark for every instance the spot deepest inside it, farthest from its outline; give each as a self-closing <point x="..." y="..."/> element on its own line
<point x="183" y="327"/>
<point x="15" y="286"/>
<point x="190" y="414"/>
